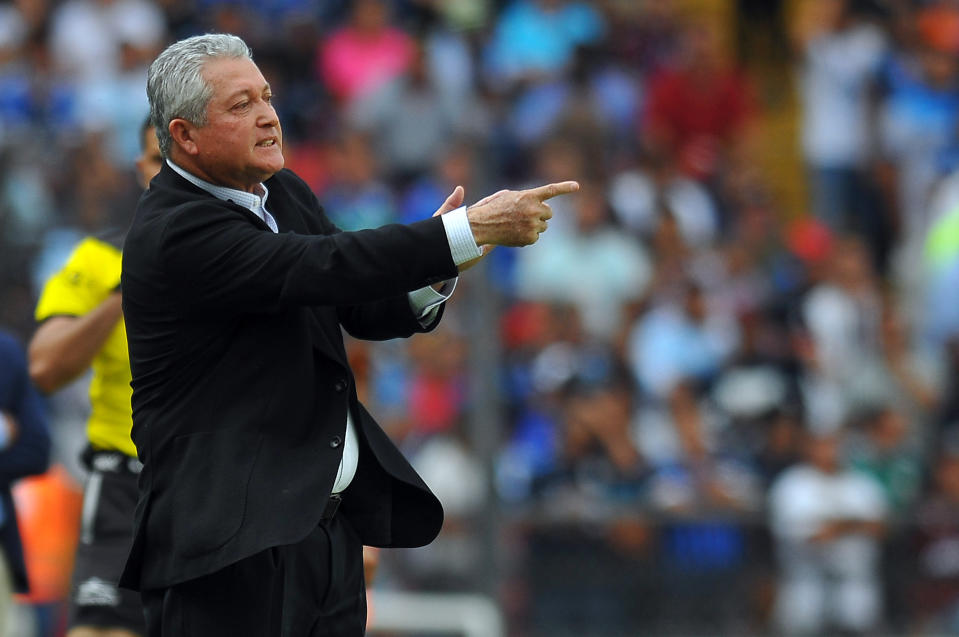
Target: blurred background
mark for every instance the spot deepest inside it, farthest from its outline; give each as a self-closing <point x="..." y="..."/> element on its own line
<point x="719" y="397"/>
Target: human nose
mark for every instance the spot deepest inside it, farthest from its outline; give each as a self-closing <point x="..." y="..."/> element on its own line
<point x="267" y="115"/>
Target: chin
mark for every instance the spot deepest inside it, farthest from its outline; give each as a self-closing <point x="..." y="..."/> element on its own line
<point x="268" y="170"/>
<point x="275" y="165"/>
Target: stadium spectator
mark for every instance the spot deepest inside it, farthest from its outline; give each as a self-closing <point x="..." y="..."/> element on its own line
<point x="358" y="197"/>
<point x="408" y="119"/>
<point x="918" y="119"/>
<point x="364" y="53"/>
<point x="935" y="598"/>
<point x="839" y="53"/>
<point x="534" y="40"/>
<point x="828" y="522"/>
<point x="699" y="107"/>
<point x="594" y="266"/>
<point x="24" y="451"/>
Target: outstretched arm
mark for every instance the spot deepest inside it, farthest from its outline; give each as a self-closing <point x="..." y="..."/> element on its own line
<point x="508" y="218"/>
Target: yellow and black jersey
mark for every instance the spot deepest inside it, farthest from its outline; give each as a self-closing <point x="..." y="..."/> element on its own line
<point x="91" y="273"/>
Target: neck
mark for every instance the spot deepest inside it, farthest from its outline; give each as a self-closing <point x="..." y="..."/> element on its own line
<point x="186" y="163"/>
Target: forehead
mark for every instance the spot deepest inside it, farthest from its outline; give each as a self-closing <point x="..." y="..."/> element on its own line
<point x="229" y="76"/>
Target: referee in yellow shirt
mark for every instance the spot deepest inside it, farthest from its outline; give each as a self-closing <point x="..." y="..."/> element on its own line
<point x="80" y="327"/>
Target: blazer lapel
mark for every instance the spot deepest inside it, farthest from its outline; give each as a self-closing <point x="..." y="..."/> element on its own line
<point x="292" y="215"/>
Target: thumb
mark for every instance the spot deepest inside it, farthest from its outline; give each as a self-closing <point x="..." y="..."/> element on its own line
<point x="454" y="201"/>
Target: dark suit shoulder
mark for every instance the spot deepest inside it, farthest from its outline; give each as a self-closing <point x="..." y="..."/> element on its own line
<point x="112" y="236"/>
<point x="171" y="198"/>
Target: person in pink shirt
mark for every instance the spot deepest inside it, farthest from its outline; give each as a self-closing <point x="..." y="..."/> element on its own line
<point x="363" y="53"/>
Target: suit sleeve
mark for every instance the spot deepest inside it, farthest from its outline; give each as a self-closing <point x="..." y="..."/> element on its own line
<point x="219" y="260"/>
<point x="381" y="320"/>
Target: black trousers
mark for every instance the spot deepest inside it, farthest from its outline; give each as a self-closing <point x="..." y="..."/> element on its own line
<point x="314" y="588"/>
<point x="110" y="498"/>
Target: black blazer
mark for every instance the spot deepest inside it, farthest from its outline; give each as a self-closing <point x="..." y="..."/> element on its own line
<point x="240" y="379"/>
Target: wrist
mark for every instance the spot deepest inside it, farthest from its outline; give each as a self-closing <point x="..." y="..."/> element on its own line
<point x="479" y="235"/>
<point x="463" y="243"/>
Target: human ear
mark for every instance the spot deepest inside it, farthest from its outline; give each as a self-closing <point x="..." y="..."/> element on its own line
<point x="182" y="132"/>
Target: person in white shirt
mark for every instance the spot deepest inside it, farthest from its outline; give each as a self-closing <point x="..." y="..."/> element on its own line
<point x="828" y="525"/>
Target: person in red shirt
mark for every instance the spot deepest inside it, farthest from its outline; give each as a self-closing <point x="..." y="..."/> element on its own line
<point x="698" y="107"/>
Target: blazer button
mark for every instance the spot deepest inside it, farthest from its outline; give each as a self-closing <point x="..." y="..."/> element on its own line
<point x="339" y="385"/>
<point x="336" y="441"/>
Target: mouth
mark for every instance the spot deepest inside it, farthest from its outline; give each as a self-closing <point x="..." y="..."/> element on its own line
<point x="267" y="143"/>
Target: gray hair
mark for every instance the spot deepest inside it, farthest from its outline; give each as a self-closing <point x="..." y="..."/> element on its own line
<point x="175" y="84"/>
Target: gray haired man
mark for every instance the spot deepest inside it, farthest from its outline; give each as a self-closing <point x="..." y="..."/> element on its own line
<point x="263" y="475"/>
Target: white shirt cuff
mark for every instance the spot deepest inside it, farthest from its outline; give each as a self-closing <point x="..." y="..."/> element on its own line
<point x="462" y="244"/>
<point x="426" y="301"/>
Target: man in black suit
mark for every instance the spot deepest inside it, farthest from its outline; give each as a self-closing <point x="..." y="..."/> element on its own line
<point x="263" y="475"/>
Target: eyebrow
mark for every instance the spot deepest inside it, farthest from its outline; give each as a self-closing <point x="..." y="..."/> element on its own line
<point x="245" y="92"/>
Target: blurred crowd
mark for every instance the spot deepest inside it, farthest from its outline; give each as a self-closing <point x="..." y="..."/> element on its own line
<point x="713" y="404"/>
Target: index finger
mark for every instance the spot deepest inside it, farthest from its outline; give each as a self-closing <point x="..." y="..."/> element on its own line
<point x="552" y="190"/>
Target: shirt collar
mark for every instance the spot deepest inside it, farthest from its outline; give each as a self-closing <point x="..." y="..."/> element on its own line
<point x="254" y="202"/>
